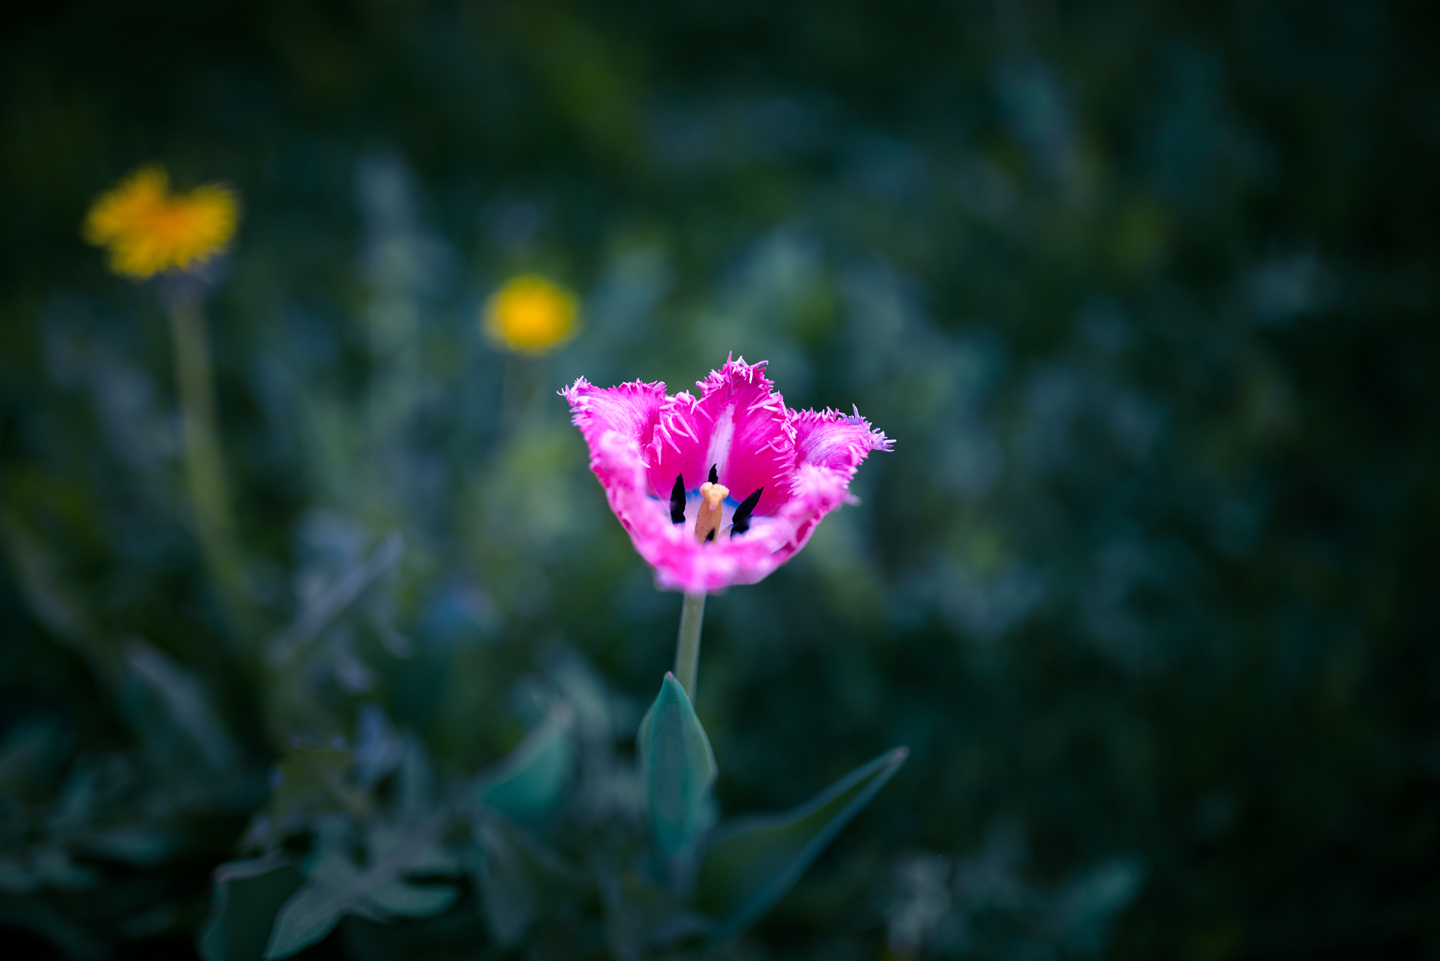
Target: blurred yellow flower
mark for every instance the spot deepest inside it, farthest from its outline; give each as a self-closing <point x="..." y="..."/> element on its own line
<point x="531" y="315"/>
<point x="147" y="229"/>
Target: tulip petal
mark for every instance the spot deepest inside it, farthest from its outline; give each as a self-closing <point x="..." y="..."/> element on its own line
<point x="836" y="441"/>
<point x="739" y="425"/>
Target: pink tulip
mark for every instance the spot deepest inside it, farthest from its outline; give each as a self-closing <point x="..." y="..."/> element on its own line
<point x="725" y="488"/>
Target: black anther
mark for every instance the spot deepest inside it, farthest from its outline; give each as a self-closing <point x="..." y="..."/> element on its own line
<point x="677" y="500"/>
<point x="740" y="521"/>
<point x="710" y="536"/>
<point x="714" y="474"/>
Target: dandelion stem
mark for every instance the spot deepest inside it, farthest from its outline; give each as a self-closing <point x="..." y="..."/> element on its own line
<point x="687" y="647"/>
<point x="204" y="472"/>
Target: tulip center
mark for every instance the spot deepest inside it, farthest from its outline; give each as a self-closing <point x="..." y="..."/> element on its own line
<point x="707" y="520"/>
<point x="710" y="510"/>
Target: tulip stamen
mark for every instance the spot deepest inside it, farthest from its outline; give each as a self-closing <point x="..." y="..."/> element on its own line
<point x="677" y="500"/>
<point x="740" y="522"/>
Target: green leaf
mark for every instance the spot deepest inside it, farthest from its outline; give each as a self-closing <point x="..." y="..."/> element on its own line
<point x="322" y="611"/>
<point x="419" y="850"/>
<point x="247" y="896"/>
<point x="53" y="867"/>
<point x="416" y="782"/>
<point x="312" y="780"/>
<point x="332" y="887"/>
<point x="57" y="926"/>
<point x="27" y="752"/>
<point x="1081" y="914"/>
<point x="140" y="843"/>
<point x="52" y="599"/>
<point x="336" y="886"/>
<point x="402" y="899"/>
<point x="186" y="703"/>
<point x="528" y="783"/>
<point x="749" y="865"/>
<point x="678" y="769"/>
<point x="517" y="877"/>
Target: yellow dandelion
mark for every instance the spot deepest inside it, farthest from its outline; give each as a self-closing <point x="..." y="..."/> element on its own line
<point x="147" y="229"/>
<point x="531" y="315"/>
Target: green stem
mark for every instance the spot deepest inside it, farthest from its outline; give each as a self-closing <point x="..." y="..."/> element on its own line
<point x="687" y="647"/>
<point x="204" y="472"/>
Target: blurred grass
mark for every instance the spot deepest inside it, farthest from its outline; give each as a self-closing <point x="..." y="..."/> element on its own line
<point x="1146" y="293"/>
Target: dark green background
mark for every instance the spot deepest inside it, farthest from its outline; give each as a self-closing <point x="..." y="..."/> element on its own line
<point x="1147" y="294"/>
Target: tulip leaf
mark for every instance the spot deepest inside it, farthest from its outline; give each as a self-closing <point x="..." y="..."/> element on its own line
<point x="248" y="894"/>
<point x="527" y="784"/>
<point x="749" y="865"/>
<point x="677" y="768"/>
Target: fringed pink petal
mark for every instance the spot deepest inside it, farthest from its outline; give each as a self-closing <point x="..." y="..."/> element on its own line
<point x="752" y="440"/>
<point x="816" y="492"/>
<point x="630" y="409"/>
<point x="739" y="425"/>
<point x="838" y="441"/>
<point x="677" y="448"/>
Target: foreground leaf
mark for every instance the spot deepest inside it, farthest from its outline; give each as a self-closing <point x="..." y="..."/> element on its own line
<point x="528" y="783"/>
<point x="518" y="877"/>
<point x="678" y="769"/>
<point x="750" y="865"/>
<point x="248" y="894"/>
<point x="401" y="899"/>
<point x="335" y="886"/>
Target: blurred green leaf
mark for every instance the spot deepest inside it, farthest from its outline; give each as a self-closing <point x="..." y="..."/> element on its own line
<point x="141" y="843"/>
<point x="415" y="787"/>
<point x="36" y="915"/>
<point x="678" y="768"/>
<point x="402" y="899"/>
<point x="420" y="851"/>
<point x="332" y="887"/>
<point x="311" y="780"/>
<point x="1081" y="914"/>
<point x="248" y="894"/>
<point x="518" y="877"/>
<point x="528" y="783"/>
<point x="51" y="598"/>
<point x="49" y="866"/>
<point x="335" y="885"/>
<point x="15" y="877"/>
<point x="322" y="611"/>
<point x="749" y="865"/>
<point x="187" y="704"/>
<point x="26" y="754"/>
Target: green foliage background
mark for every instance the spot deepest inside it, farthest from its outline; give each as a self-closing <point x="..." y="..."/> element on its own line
<point x="1147" y="294"/>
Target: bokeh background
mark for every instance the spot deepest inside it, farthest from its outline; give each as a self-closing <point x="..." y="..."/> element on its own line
<point x="1146" y="293"/>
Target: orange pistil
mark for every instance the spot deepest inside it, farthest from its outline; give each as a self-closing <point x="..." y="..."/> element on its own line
<point x="707" y="521"/>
